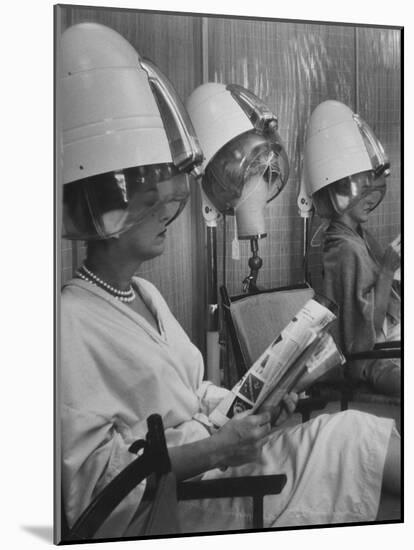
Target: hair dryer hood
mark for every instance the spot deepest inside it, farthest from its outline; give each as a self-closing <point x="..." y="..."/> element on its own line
<point x="110" y="117"/>
<point x="127" y="141"/>
<point x="246" y="163"/>
<point x="244" y="176"/>
<point x="343" y="161"/>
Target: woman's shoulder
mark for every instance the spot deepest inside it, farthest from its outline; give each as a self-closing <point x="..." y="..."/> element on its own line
<point x="80" y="299"/>
<point x="70" y="291"/>
<point x="73" y="298"/>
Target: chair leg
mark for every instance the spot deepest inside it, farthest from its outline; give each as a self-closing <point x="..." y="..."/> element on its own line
<point x="346" y="397"/>
<point x="305" y="416"/>
<point x="258" y="512"/>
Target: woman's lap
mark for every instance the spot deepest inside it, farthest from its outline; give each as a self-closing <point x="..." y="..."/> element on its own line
<point x="333" y="465"/>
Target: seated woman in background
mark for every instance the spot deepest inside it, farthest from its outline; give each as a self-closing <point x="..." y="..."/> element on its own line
<point x="359" y="277"/>
<point x="346" y="169"/>
<point x="124" y="356"/>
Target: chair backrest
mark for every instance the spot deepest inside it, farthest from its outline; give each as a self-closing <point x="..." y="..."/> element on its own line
<point x="254" y="320"/>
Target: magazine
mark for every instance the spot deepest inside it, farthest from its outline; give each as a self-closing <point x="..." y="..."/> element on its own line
<point x="298" y="356"/>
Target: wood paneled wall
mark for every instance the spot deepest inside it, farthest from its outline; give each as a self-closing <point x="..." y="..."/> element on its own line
<point x="173" y="43"/>
<point x="379" y="103"/>
<point x="293" y="67"/>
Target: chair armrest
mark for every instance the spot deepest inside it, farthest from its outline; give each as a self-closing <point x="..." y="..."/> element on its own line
<point x="255" y="487"/>
<point x="155" y="460"/>
<point x="250" y="486"/>
<point x="381" y="350"/>
<point x="376" y="353"/>
<point x="388" y="345"/>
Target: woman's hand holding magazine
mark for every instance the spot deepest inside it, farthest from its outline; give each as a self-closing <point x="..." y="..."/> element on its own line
<point x="283" y="411"/>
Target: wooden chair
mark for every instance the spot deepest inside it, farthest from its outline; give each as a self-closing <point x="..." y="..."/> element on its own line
<point x="254" y="320"/>
<point x="154" y="464"/>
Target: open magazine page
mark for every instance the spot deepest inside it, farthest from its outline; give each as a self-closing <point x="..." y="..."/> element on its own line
<point x="325" y="357"/>
<point x="272" y="394"/>
<point x="277" y="363"/>
<point x="319" y="357"/>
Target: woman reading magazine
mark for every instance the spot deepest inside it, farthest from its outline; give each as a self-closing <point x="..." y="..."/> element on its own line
<point x="124" y="357"/>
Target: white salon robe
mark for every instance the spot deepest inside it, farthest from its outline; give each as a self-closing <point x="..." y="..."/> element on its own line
<point x="116" y="370"/>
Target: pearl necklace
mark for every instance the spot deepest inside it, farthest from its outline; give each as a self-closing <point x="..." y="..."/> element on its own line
<point x="125" y="296"/>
